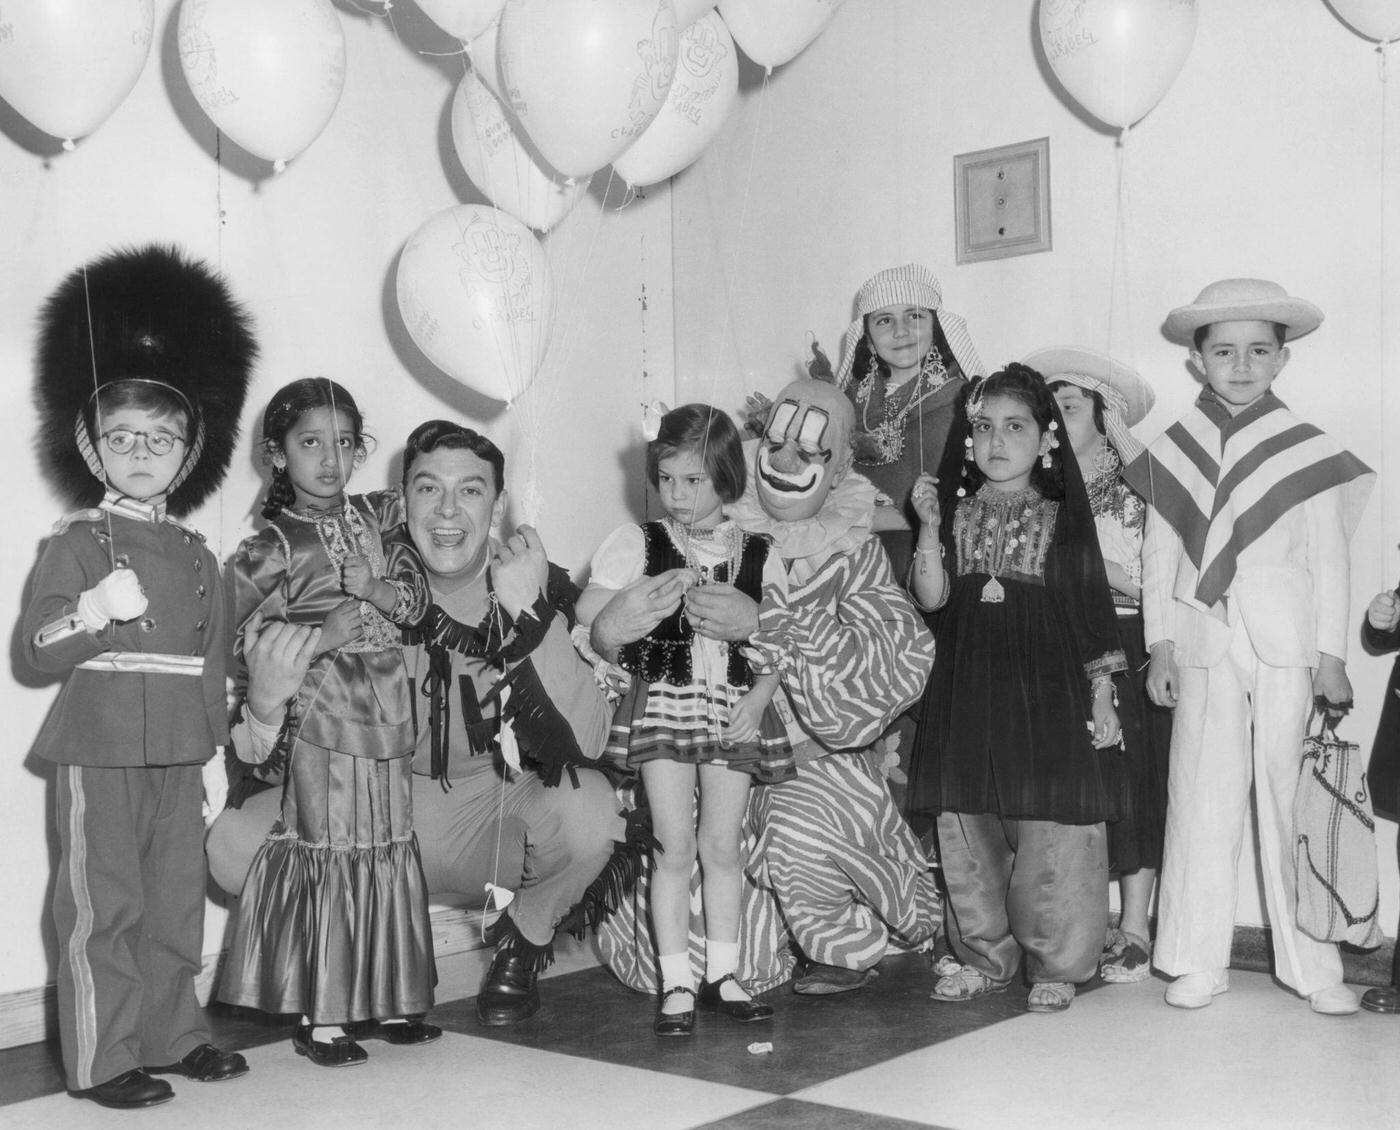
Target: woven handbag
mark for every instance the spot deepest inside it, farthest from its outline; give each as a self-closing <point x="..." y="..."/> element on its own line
<point x="1334" y="842"/>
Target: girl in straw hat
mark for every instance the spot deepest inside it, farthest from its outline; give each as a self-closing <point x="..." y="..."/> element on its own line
<point x="1100" y="399"/>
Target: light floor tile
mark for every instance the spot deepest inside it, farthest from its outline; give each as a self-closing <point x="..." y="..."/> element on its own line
<point x="458" y="1081"/>
<point x="1120" y="1057"/>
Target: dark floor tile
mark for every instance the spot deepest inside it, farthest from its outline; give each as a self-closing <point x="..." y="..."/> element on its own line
<point x="793" y="1114"/>
<point x="589" y="1014"/>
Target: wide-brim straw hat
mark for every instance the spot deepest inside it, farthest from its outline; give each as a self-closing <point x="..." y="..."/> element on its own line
<point x="1242" y="300"/>
<point x="1127" y="397"/>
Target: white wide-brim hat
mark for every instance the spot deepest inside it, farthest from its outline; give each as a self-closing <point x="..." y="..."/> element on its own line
<point x="1127" y="398"/>
<point x="1096" y="372"/>
<point x="1242" y="300"/>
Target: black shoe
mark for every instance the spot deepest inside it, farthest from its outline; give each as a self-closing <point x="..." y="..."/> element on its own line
<point x="340" y="1052"/>
<point x="674" y="1023"/>
<point x="818" y="980"/>
<point x="508" y="995"/>
<point x="1384" y="999"/>
<point x="206" y="1064"/>
<point x="131" y="1089"/>
<point x="415" y="1030"/>
<point x="745" y="1012"/>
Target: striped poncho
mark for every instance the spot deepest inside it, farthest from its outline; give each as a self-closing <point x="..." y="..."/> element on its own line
<point x="1222" y="480"/>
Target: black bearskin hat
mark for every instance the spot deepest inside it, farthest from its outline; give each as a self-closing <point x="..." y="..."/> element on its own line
<point x="142" y="314"/>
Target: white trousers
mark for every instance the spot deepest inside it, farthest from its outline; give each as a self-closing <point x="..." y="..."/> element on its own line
<point x="1213" y="764"/>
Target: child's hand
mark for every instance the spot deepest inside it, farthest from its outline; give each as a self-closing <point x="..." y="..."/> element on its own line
<point x="744" y="716"/>
<point x="357" y="578"/>
<point x="925" y="500"/>
<point x="1330" y="683"/>
<point x="117" y="596"/>
<point x="342" y="626"/>
<point x="755" y="413"/>
<point x="1163" y="680"/>
<point x="1384" y="612"/>
<point x="1106" y="729"/>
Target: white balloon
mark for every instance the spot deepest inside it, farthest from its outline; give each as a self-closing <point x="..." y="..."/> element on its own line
<point x="475" y="292"/>
<point x="501" y="166"/>
<point x="65" y="65"/>
<point x="770" y="32"/>
<point x="688" y="11"/>
<point x="267" y="72"/>
<point x="1117" y="57"/>
<point x="466" y="19"/>
<point x="586" y="77"/>
<point x="483" y="52"/>
<point x="1375" y="19"/>
<point x="703" y="92"/>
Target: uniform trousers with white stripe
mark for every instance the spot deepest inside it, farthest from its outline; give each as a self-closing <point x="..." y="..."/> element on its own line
<point x="128" y="907"/>
<point x="1213" y="763"/>
<point x="846" y="870"/>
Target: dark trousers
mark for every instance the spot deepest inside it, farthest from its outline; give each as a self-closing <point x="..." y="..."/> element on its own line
<point x="128" y="907"/>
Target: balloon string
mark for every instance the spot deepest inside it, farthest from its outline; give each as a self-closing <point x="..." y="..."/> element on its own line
<point x="1381" y="57"/>
<point x="1118" y="270"/>
<point x="97" y="416"/>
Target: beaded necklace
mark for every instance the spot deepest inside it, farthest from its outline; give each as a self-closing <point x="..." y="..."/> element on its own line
<point x="1009" y="511"/>
<point x="888" y="434"/>
<point x="726" y="536"/>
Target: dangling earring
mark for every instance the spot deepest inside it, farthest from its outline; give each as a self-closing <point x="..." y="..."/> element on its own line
<point x="1045" y="459"/>
<point x="1106" y="461"/>
<point x="933" y="370"/>
<point x="967" y="448"/>
<point x="872" y="370"/>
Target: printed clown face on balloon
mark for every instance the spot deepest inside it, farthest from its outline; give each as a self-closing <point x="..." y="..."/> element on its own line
<point x="805" y="450"/>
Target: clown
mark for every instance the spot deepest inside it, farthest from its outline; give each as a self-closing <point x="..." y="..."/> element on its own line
<point x="834" y="862"/>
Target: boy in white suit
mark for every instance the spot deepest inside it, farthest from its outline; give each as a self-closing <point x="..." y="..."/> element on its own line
<point x="1245" y="606"/>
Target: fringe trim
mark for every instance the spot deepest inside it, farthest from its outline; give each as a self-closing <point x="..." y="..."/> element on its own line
<point x="617" y="880"/>
<point x="508" y="939"/>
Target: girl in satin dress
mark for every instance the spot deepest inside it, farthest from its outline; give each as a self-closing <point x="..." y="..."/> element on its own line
<point x="333" y="920"/>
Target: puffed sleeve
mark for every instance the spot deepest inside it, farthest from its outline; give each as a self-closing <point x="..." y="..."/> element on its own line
<point x="259" y="575"/>
<point x="620" y="560"/>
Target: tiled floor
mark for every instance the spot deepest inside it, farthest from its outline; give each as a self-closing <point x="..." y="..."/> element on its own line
<point x="882" y="1057"/>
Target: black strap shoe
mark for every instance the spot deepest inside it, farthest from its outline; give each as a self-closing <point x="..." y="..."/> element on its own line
<point x="206" y="1064"/>
<point x="340" y="1052"/>
<point x="413" y="1030"/>
<point x="128" y="1090"/>
<point x="675" y="1023"/>
<point x="508" y="995"/>
<point x="745" y="1012"/>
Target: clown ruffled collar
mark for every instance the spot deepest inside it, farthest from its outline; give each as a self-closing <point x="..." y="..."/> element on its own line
<point x="840" y="526"/>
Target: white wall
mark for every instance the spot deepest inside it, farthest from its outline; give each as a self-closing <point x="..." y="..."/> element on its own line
<point x="1262" y="160"/>
<point x="312" y="253"/>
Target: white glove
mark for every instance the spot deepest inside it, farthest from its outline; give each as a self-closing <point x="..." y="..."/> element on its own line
<point x="117" y="596"/>
<point x="215" y="786"/>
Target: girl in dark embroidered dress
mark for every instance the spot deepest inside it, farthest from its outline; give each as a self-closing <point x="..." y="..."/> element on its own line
<point x="333" y="922"/>
<point x="695" y="713"/>
<point x="1026" y="647"/>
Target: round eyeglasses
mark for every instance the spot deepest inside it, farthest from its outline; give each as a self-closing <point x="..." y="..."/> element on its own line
<point x="122" y="441"/>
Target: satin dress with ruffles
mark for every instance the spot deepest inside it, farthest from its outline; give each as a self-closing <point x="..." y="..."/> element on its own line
<point x="333" y="920"/>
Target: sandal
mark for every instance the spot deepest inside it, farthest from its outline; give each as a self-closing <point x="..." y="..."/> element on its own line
<point x="1050" y="996"/>
<point x="965" y="985"/>
<point x="1128" y="962"/>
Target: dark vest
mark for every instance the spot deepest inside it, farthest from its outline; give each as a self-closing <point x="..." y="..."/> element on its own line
<point x="664" y="654"/>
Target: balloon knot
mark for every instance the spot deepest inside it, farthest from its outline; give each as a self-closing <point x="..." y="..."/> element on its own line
<point x="68" y="145"/>
<point x="279" y="165"/>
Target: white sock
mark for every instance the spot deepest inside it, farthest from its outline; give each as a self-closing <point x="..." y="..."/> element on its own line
<point x="676" y="974"/>
<point x="323" y="1034"/>
<point x="722" y="960"/>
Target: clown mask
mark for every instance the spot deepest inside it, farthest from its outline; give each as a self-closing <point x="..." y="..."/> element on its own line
<point x="805" y="449"/>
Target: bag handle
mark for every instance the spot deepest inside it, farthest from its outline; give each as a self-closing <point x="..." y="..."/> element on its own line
<point x="1327" y="715"/>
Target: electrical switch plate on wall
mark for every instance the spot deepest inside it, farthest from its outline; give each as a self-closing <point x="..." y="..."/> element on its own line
<point x="1002" y="200"/>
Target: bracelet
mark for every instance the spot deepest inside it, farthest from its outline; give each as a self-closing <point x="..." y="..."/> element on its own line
<point x="924" y="554"/>
<point x="1100" y="681"/>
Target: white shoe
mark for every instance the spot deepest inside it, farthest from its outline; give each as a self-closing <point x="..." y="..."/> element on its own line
<point x="1196" y="990"/>
<point x="1336" y="1001"/>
